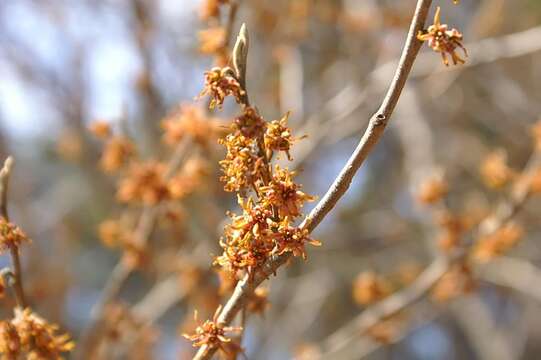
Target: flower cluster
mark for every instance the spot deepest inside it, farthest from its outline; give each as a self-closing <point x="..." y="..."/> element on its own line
<point x="30" y="335"/>
<point x="212" y="333"/>
<point x="265" y="227"/>
<point x="11" y="236"/>
<point x="443" y="40"/>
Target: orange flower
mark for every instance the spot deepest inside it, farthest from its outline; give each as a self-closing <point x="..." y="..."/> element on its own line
<point x="212" y="333"/>
<point x="190" y="121"/>
<point x="443" y="40"/>
<point x="433" y="190"/>
<point x="145" y="184"/>
<point x="292" y="239"/>
<point x="220" y="83"/>
<point x="100" y="129"/>
<point x="278" y="137"/>
<point x="242" y="165"/>
<point x="497" y="243"/>
<point x="29" y="334"/>
<point x="369" y="288"/>
<point x="494" y="170"/>
<point x="11" y="236"/>
<point x="212" y="40"/>
<point x="455" y="282"/>
<point x="211" y="9"/>
<point x="116" y="153"/>
<point x="284" y="195"/>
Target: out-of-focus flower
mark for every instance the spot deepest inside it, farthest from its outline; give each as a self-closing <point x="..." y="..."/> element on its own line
<point x="443" y="40"/>
<point x="190" y="121"/>
<point x="212" y="40"/>
<point x="118" y="150"/>
<point x="145" y="183"/>
<point x="211" y="9"/>
<point x="452" y="229"/>
<point x="370" y="287"/>
<point x="497" y="243"/>
<point x="433" y="190"/>
<point x="494" y="170"/>
<point x="386" y="330"/>
<point x="30" y="335"/>
<point x="112" y="233"/>
<point x="11" y="236"/>
<point x="100" y="129"/>
<point x="456" y="281"/>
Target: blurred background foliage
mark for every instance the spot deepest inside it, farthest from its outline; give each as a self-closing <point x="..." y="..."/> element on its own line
<point x="65" y="64"/>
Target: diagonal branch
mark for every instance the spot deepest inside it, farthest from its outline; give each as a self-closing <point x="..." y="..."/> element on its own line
<point x="370" y="138"/>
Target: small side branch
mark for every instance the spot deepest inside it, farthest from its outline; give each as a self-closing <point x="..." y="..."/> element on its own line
<point x="14" y="250"/>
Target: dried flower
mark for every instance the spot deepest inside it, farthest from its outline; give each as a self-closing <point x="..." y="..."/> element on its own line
<point x="497" y="243"/>
<point x="452" y="229"/>
<point x="385" y="331"/>
<point x="433" y="190"/>
<point x="456" y="281"/>
<point x="443" y="40"/>
<point x="278" y="137"/>
<point x="29" y="334"/>
<point x="112" y="233"/>
<point x="100" y="129"/>
<point x="11" y="236"/>
<point x="242" y="165"/>
<point x="212" y="40"/>
<point x="211" y="9"/>
<point x="212" y="333"/>
<point x="247" y="241"/>
<point x="220" y="83"/>
<point x="283" y="194"/>
<point x="145" y="183"/>
<point x="250" y="124"/>
<point x="116" y="153"/>
<point x="190" y="121"/>
<point x="292" y="239"/>
<point x="494" y="170"/>
<point x="369" y="288"/>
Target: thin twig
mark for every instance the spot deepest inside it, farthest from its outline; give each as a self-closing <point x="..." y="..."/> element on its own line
<point x="17" y="282"/>
<point x="370" y="138"/>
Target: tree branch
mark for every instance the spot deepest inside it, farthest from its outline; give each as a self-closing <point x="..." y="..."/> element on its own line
<point x="370" y="138"/>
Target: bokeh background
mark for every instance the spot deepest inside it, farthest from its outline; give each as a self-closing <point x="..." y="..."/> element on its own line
<point x="67" y="63"/>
